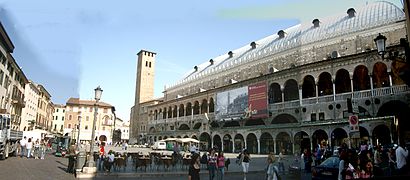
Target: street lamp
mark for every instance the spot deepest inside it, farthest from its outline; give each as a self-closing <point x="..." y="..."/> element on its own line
<point x="380" y="41"/>
<point x="97" y="97"/>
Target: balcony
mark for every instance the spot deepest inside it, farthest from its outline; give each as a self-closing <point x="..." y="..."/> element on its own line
<point x="19" y="101"/>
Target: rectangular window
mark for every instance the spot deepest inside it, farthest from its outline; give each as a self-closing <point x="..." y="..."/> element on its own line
<point x="69" y="117"/>
<point x="56" y="110"/>
<point x="6" y="82"/>
<point x="87" y="118"/>
<point x="63" y="118"/>
<point x="149" y="64"/>
<point x="322" y="116"/>
<point x="63" y="110"/>
<point x="146" y="63"/>
<point x="313" y="117"/>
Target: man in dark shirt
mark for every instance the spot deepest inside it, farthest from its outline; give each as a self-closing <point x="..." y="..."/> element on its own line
<point x="71" y="158"/>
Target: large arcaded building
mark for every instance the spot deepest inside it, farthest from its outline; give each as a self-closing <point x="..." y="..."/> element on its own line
<point x="289" y="90"/>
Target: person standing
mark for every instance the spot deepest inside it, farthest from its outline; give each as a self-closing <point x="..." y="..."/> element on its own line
<point x="36" y="149"/>
<point x="71" y="158"/>
<point x="101" y="156"/>
<point x="245" y="158"/>
<point x="23" y="143"/>
<point x="42" y="149"/>
<point x="110" y="160"/>
<point x="212" y="164"/>
<point x="401" y="157"/>
<point x="194" y="168"/>
<point x="271" y="173"/>
<point x="29" y="146"/>
<point x="280" y="162"/>
<point x="18" y="148"/>
<point x="221" y="165"/>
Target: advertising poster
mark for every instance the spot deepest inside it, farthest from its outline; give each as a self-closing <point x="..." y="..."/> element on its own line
<point x="257" y="101"/>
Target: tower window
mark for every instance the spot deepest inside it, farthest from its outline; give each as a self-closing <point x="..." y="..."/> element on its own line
<point x="146" y="63"/>
<point x="149" y="64"/>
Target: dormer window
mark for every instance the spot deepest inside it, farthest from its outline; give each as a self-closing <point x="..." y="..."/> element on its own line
<point x="253" y="45"/>
<point x="211" y="61"/>
<point x="230" y="53"/>
<point x="281" y="34"/>
<point x="351" y="12"/>
<point x="196" y="68"/>
<point x="316" y="23"/>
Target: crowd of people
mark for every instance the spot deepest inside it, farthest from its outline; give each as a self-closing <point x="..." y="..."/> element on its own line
<point x="31" y="148"/>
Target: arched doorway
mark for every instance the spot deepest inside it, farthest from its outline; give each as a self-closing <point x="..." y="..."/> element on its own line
<point x="283" y="143"/>
<point x="338" y="137"/>
<point x="196" y="107"/>
<point x="252" y="143"/>
<point x="380" y="75"/>
<point x="342" y="82"/>
<point x="361" y="80"/>
<point x="308" y="87"/>
<point x="302" y="141"/>
<point x="275" y="94"/>
<point x="267" y="144"/>
<point x="325" y="85"/>
<point x="319" y="137"/>
<point x="205" y="141"/>
<point x="291" y="91"/>
<point x="381" y="135"/>
<point x="239" y="143"/>
<point x="181" y="110"/>
<point x="211" y="105"/>
<point x="204" y="106"/>
<point x="217" y="143"/>
<point x="401" y="112"/>
<point x="227" y="142"/>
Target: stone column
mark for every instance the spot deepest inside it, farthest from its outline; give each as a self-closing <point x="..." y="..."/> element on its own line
<point x="390" y="83"/>
<point x="351" y="85"/>
<point x="283" y="94"/>
<point x="259" y="146"/>
<point x="371" y="85"/>
<point x="300" y="95"/>
<point x="246" y="146"/>
<point x="317" y="92"/>
<point x="274" y="146"/>
<point x="334" y="90"/>
<point x="233" y="145"/>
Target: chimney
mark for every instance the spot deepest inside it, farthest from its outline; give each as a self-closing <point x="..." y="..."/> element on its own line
<point x="281" y="34"/>
<point x="253" y="45"/>
<point x="351" y="12"/>
<point x="316" y="23"/>
<point x="230" y="53"/>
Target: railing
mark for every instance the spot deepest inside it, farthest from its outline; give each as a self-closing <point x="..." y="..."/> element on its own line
<point x="287" y="104"/>
<point x="327" y="98"/>
<point x="362" y="94"/>
<point x="400" y="89"/>
<point x="343" y="96"/>
<point x="311" y="100"/>
<point x="382" y="91"/>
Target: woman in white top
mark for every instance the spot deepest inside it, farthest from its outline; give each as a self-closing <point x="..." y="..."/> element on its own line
<point x="29" y="146"/>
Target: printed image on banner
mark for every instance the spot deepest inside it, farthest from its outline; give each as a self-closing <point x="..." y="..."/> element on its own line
<point x="257" y="103"/>
<point x="232" y="104"/>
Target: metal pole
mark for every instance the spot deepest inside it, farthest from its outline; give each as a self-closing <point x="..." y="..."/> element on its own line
<point x="78" y="134"/>
<point x="91" y="162"/>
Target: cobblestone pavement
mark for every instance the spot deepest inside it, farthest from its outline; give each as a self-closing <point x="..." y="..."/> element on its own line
<point x="50" y="168"/>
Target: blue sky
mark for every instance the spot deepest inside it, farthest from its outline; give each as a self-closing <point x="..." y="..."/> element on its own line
<point x="71" y="47"/>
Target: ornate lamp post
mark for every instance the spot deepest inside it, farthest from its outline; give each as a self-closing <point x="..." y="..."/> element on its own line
<point x="90" y="162"/>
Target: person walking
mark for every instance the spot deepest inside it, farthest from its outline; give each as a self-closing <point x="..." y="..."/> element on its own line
<point x="245" y="158"/>
<point x="280" y="162"/>
<point x="36" y="149"/>
<point x="194" y="168"/>
<point x="401" y="157"/>
<point x="23" y="143"/>
<point x="212" y="164"/>
<point x="221" y="165"/>
<point x="271" y="172"/>
<point x="42" y="149"/>
<point x="110" y="160"/>
<point x="29" y="146"/>
<point x="18" y="148"/>
<point x="71" y="158"/>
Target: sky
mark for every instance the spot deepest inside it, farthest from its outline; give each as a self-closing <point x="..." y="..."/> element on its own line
<point x="71" y="47"/>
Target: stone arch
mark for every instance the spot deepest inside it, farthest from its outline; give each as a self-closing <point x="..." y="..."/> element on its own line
<point x="217" y="142"/>
<point x="301" y="141"/>
<point x="197" y="125"/>
<point x="283" y="143"/>
<point x="325" y="84"/>
<point x="338" y="137"/>
<point x="239" y="142"/>
<point x="361" y="80"/>
<point x="381" y="135"/>
<point x="284" y="118"/>
<point x="205" y="141"/>
<point x="175" y="111"/>
<point x="275" y="94"/>
<point x="164" y="113"/>
<point x="342" y="81"/>
<point x="291" y="90"/>
<point x="380" y="75"/>
<point x="401" y="111"/>
<point x="308" y="87"/>
<point x="227" y="143"/>
<point x="252" y="143"/>
<point x="204" y="106"/>
<point x="169" y="112"/>
<point x="181" y="110"/>
<point x="319" y="137"/>
<point x="183" y="127"/>
<point x="152" y="130"/>
<point x="267" y="144"/>
<point x="189" y="109"/>
<point x="211" y="105"/>
<point x="155" y="114"/>
<point x="196" y="107"/>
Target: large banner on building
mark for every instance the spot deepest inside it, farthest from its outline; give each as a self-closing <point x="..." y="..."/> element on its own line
<point x="257" y="101"/>
<point x="231" y="105"/>
<point x="241" y="103"/>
